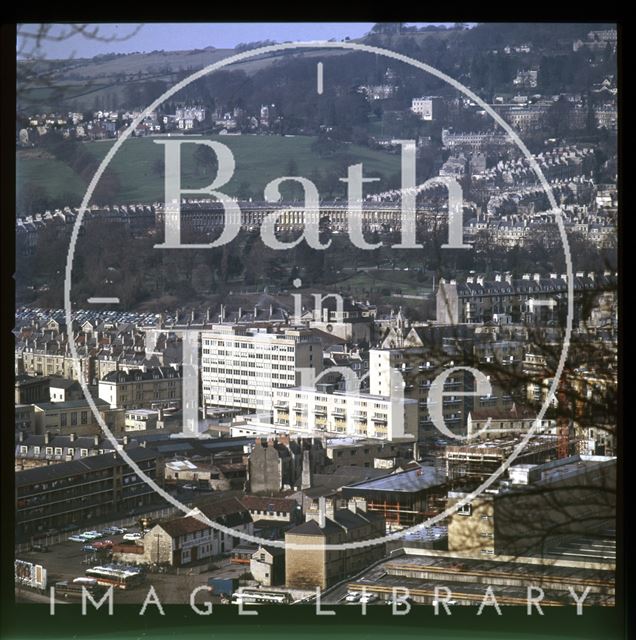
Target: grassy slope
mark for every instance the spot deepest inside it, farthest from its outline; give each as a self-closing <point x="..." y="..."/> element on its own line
<point x="259" y="159"/>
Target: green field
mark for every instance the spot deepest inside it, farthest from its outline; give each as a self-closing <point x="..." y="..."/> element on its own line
<point x="137" y="165"/>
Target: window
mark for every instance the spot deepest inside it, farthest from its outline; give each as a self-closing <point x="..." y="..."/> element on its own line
<point x="83" y="453"/>
<point x="58" y="451"/>
<point x="49" y="451"/>
<point x="84" y="418"/>
<point x="465" y="510"/>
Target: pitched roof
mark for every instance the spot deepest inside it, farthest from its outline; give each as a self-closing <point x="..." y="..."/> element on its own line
<point x="229" y="512"/>
<point x="264" y="503"/>
<point x="182" y="526"/>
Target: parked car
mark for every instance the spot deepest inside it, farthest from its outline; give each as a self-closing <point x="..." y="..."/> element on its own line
<point x="366" y="598"/>
<point x="102" y="544"/>
<point x="51" y="532"/>
<point x="133" y="536"/>
<point x="117" y="530"/>
<point x="89" y="548"/>
<point x="77" y="538"/>
<point x="92" y="535"/>
<point x="39" y="547"/>
<point x="353" y="596"/>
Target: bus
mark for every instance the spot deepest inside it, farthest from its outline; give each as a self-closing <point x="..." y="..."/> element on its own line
<point x="118" y="576"/>
<point x="76" y="587"/>
<point x="257" y="596"/>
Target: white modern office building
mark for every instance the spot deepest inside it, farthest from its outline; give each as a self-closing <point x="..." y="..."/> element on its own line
<point x="243" y="366"/>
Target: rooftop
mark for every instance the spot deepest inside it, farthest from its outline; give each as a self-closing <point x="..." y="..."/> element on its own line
<point x="405" y="481"/>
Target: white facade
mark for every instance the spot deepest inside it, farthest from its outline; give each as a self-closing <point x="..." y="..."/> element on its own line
<point x="426" y="107"/>
<point x="356" y="414"/>
<point x="242" y="366"/>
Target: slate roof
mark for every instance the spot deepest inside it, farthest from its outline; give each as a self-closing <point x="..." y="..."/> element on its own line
<point x="78" y="467"/>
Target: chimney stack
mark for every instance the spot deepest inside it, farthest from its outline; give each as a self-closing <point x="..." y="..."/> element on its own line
<point x="47" y="437"/>
<point x="72" y="437"/>
<point x="322" y="512"/>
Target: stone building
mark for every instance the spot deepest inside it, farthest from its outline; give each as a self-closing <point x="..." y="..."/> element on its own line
<point x="571" y="495"/>
<point x="267" y="566"/>
<point x="276" y="464"/>
<point x="186" y="540"/>
<point x="311" y="568"/>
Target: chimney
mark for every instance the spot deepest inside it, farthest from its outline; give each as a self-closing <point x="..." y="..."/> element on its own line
<point x="125" y="440"/>
<point x="72" y="437"/>
<point x="207" y="315"/>
<point x="21" y="436"/>
<point x="96" y="440"/>
<point x="357" y="504"/>
<point x="322" y="512"/>
<point x="255" y="312"/>
<point x="222" y="314"/>
<point x="240" y="313"/>
<point x="305" y="481"/>
<point x="330" y="507"/>
<point x="271" y="311"/>
<point x="47" y="437"/>
<point x="537" y="277"/>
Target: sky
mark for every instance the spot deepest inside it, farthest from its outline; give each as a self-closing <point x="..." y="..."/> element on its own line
<point x="184" y="36"/>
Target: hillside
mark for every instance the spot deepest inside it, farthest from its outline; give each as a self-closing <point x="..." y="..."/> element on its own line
<point x="139" y="176"/>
